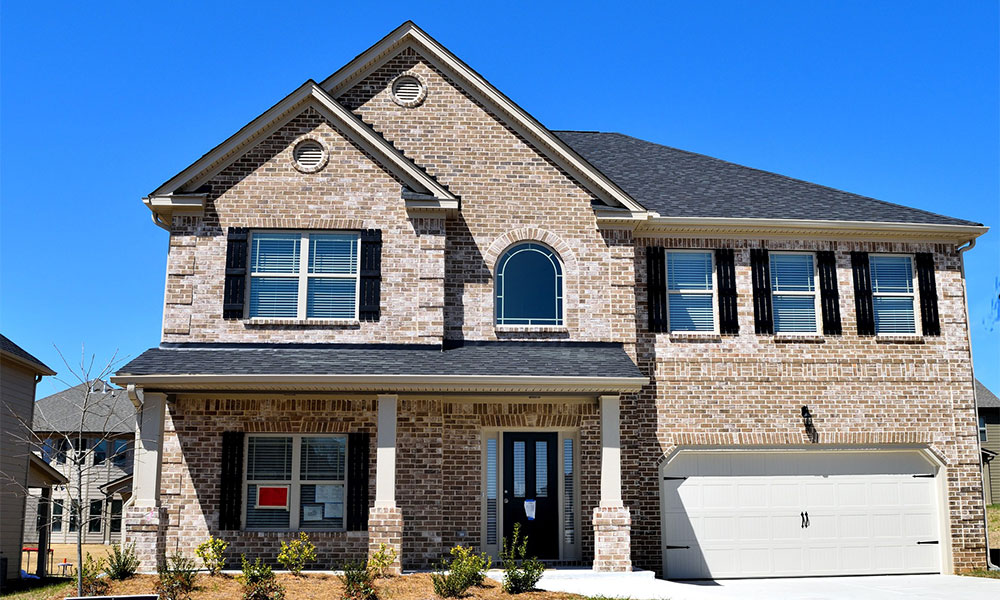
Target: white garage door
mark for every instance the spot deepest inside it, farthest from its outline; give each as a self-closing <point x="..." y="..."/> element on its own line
<point x="772" y="514"/>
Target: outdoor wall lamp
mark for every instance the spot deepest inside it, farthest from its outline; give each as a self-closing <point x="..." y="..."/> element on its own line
<point x="807" y="420"/>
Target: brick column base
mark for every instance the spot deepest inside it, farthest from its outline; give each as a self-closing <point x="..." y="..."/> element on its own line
<point x="147" y="528"/>
<point x="385" y="526"/>
<point x="612" y="539"/>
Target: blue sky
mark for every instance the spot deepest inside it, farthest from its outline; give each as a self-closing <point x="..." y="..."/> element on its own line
<point x="102" y="102"/>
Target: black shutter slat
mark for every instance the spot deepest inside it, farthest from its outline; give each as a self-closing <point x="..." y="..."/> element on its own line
<point x="357" y="481"/>
<point x="829" y="295"/>
<point x="369" y="302"/>
<point x="863" y="308"/>
<point x="656" y="288"/>
<point x="760" y="269"/>
<point x="231" y="485"/>
<point x="725" y="272"/>
<point x="928" y="294"/>
<point x="234" y="291"/>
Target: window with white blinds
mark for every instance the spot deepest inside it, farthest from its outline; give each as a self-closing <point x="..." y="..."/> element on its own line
<point x="793" y="292"/>
<point x="312" y="468"/>
<point x="893" y="296"/>
<point x="690" y="291"/>
<point x="303" y="275"/>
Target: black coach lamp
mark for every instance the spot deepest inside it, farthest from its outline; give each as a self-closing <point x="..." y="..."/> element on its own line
<point x="807" y="420"/>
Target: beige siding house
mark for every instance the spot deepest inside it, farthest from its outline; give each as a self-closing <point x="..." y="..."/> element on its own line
<point x="989" y="439"/>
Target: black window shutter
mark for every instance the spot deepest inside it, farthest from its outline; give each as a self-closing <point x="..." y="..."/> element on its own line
<point x="829" y="295"/>
<point x="231" y="486"/>
<point x="928" y="294"/>
<point x="656" y="288"/>
<point x="760" y="270"/>
<point x="371" y="275"/>
<point x="863" y="309"/>
<point x="357" y="481"/>
<point x="725" y="273"/>
<point x="234" y="292"/>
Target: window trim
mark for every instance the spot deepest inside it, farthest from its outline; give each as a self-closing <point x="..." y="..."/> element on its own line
<point x="95" y="522"/>
<point x="497" y="297"/>
<point x="295" y="484"/>
<point x="57" y="517"/>
<point x="714" y="291"/>
<point x="983" y="431"/>
<point x="914" y="295"/>
<point x="817" y="301"/>
<point x="303" y="275"/>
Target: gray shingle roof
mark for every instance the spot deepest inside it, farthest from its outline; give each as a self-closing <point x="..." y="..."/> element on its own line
<point x="13" y="349"/>
<point x="677" y="183"/>
<point x="108" y="410"/>
<point x="985" y="398"/>
<point x="557" y="359"/>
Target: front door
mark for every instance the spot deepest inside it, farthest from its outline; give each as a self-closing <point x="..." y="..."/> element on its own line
<point x="529" y="474"/>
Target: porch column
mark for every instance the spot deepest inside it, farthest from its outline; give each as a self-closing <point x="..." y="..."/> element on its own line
<point x="385" y="521"/>
<point x="612" y="520"/>
<point x="146" y="519"/>
<point x="44" y="517"/>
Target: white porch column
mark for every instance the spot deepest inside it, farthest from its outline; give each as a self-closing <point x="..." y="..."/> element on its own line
<point x="385" y="459"/>
<point x="611" y="454"/>
<point x="146" y="520"/>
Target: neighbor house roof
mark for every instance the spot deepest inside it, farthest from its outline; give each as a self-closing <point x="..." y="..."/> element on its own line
<point x="985" y="398"/>
<point x="567" y="366"/>
<point x="9" y="349"/>
<point x="678" y="183"/>
<point x="108" y="410"/>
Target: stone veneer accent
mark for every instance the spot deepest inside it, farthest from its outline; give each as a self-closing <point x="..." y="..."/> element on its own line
<point x="385" y="526"/>
<point x="612" y="539"/>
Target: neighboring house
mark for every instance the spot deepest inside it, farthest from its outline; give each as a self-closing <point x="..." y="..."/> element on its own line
<point x="108" y="433"/>
<point x="20" y="372"/>
<point x="400" y="310"/>
<point x="988" y="406"/>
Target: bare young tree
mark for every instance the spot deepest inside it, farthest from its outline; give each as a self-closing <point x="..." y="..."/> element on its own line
<point x="96" y="419"/>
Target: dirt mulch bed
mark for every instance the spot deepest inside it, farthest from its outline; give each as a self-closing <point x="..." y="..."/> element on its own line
<point x="310" y="586"/>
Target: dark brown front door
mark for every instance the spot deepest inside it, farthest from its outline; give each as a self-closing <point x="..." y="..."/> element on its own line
<point x="529" y="474"/>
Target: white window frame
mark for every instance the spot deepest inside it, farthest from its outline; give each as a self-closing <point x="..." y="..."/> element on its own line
<point x="294" y="484"/>
<point x="818" y="329"/>
<point x="917" y="323"/>
<point x="714" y="292"/>
<point x="983" y="432"/>
<point x="303" y="274"/>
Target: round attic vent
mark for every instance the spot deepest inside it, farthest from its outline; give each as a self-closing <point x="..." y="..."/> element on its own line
<point x="408" y="91"/>
<point x="309" y="156"/>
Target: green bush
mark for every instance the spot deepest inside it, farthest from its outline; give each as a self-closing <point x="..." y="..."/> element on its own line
<point x="211" y="552"/>
<point x="90" y="577"/>
<point x="295" y="554"/>
<point x="259" y="582"/>
<point x="520" y="574"/>
<point x="359" y="582"/>
<point x="464" y="570"/>
<point x="122" y="562"/>
<point x="380" y="561"/>
<point x="176" y="577"/>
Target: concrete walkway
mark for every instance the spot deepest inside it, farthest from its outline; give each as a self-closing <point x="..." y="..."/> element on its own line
<point x="642" y="585"/>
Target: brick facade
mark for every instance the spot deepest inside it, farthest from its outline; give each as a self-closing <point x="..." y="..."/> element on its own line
<point x="437" y="284"/>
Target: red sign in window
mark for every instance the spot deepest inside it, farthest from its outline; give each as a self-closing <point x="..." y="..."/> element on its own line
<point x="272" y="496"/>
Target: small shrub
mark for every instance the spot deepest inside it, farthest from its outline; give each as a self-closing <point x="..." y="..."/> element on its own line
<point x="90" y="577"/>
<point x="520" y="574"/>
<point x="380" y="561"/>
<point x="211" y="552"/>
<point x="297" y="553"/>
<point x="359" y="582"/>
<point x="122" y="562"/>
<point x="464" y="570"/>
<point x="176" y="577"/>
<point x="259" y="582"/>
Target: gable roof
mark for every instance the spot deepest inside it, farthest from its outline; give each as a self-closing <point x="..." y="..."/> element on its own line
<point x="9" y="349"/>
<point x="985" y="398"/>
<point x="678" y="183"/>
<point x="108" y="410"/>
<point x="409" y="35"/>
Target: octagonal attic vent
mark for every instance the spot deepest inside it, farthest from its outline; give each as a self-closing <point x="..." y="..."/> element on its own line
<point x="309" y="156"/>
<point x="408" y="91"/>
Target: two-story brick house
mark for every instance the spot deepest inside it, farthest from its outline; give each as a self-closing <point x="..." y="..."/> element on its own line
<point x="399" y="309"/>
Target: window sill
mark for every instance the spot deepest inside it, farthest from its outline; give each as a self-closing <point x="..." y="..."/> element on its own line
<point x="899" y="339"/>
<point x="531" y="328"/>
<point x="302" y="322"/>
<point x="694" y="336"/>
<point x="801" y="338"/>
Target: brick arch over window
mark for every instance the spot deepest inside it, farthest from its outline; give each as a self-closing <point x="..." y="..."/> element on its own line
<point x="531" y="234"/>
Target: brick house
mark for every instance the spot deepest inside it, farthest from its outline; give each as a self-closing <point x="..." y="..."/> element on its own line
<point x="400" y="310"/>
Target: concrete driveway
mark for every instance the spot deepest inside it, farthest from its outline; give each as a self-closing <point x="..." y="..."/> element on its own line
<point x="641" y="585"/>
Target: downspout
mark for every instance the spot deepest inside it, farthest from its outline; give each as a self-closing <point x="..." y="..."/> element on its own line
<point x="986" y="528"/>
<point x="133" y="395"/>
<point x="125" y="507"/>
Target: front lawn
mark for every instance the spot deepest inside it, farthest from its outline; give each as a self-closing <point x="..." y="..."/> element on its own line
<point x="33" y="589"/>
<point x="993" y="524"/>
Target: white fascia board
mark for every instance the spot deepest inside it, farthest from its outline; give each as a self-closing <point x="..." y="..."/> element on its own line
<point x="409" y="35"/>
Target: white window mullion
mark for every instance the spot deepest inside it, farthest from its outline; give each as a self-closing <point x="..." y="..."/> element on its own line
<point x="293" y="504"/>
<point x="303" y="275"/>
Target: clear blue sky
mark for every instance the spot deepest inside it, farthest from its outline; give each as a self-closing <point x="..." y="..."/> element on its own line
<point x="102" y="102"/>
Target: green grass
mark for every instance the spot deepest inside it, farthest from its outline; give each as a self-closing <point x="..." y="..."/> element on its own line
<point x="41" y="589"/>
<point x="983" y="573"/>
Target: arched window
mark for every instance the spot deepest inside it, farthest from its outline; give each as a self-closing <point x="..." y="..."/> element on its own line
<point x="529" y="286"/>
